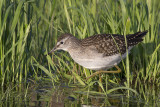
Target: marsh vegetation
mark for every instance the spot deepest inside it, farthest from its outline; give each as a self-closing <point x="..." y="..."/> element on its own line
<point x="30" y="28"/>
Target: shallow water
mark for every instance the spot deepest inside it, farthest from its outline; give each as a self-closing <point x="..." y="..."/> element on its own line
<point x="44" y="95"/>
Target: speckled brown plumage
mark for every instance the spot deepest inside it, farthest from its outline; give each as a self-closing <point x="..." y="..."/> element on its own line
<point x="110" y="44"/>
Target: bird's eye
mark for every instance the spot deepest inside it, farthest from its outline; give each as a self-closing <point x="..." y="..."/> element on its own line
<point x="61" y="42"/>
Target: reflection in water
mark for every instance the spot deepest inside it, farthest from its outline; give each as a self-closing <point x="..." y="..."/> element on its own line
<point x="43" y="95"/>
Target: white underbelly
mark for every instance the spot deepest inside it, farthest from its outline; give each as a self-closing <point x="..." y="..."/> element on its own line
<point x="99" y="63"/>
<point x="96" y="61"/>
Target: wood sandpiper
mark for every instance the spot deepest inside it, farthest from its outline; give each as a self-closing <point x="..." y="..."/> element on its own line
<point x="98" y="52"/>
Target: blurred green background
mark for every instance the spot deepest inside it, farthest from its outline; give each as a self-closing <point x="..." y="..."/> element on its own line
<point x="30" y="28"/>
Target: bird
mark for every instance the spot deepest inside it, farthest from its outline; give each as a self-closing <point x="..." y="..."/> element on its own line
<point x="99" y="52"/>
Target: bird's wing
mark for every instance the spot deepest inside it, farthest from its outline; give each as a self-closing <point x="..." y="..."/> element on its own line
<point x="108" y="44"/>
<point x="111" y="44"/>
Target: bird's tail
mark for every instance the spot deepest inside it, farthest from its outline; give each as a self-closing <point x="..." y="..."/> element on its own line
<point x="138" y="35"/>
<point x="134" y="39"/>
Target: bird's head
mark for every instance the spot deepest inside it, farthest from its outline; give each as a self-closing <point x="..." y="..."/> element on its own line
<point x="63" y="42"/>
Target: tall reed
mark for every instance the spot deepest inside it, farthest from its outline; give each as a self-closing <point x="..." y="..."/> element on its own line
<point x="28" y="29"/>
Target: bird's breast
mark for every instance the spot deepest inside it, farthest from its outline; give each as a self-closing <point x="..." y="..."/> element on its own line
<point x="97" y="63"/>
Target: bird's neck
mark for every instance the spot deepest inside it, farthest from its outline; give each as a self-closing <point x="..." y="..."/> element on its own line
<point x="75" y="44"/>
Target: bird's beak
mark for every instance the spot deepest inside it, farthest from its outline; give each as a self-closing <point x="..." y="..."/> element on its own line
<point x="54" y="49"/>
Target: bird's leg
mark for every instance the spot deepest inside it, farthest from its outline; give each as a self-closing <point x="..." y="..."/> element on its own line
<point x="99" y="72"/>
